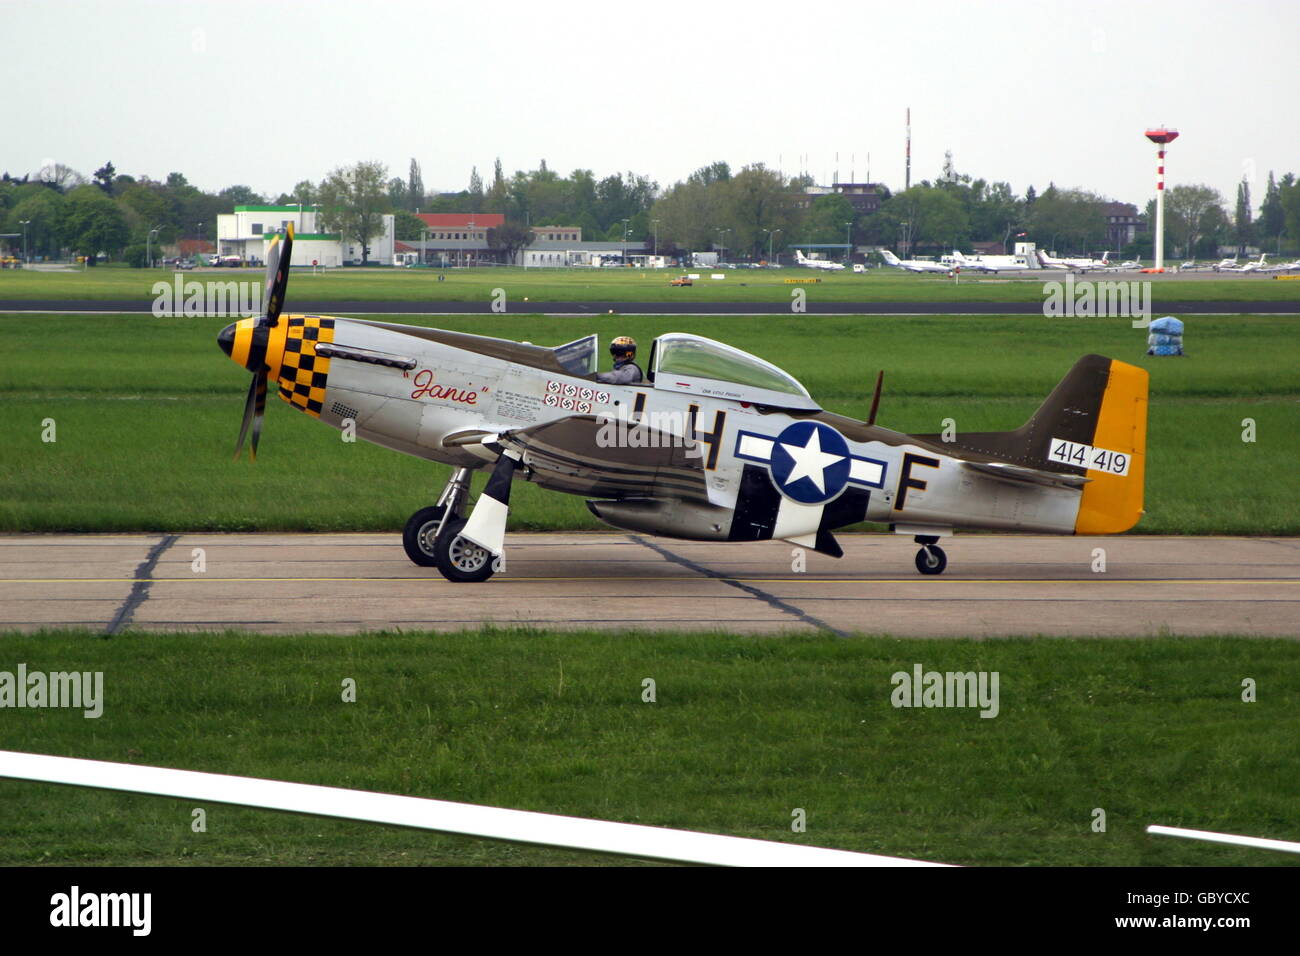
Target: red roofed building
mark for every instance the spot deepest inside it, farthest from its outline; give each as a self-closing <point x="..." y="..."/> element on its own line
<point x="462" y="222"/>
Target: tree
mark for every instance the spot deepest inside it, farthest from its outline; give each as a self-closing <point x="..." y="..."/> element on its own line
<point x="688" y="213"/>
<point x="826" y="219"/>
<point x="407" y="226"/>
<point x="146" y="208"/>
<point x="927" y="215"/>
<point x="397" y="192"/>
<point x="718" y="172"/>
<point x="104" y="177"/>
<point x="757" y="201"/>
<point x="1187" y="207"/>
<point x="353" y="202"/>
<point x="60" y="177"/>
<point x="414" y="186"/>
<point x="1272" y="217"/>
<point x="1289" y="195"/>
<point x="497" y="194"/>
<point x="94" y="224"/>
<point x="1244" y="229"/>
<point x="44" y="210"/>
<point x="509" y="238"/>
<point x="240" y="196"/>
<point x="1068" y="219"/>
<point x="475" y="191"/>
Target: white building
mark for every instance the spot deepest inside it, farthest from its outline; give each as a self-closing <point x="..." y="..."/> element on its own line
<point x="248" y="231"/>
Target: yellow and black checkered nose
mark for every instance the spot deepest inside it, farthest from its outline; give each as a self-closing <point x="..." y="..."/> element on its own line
<point x="287" y="353"/>
<point x="249" y="343"/>
<point x="302" y="373"/>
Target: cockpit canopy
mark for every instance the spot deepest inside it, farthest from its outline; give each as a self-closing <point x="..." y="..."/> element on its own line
<point x="680" y="362"/>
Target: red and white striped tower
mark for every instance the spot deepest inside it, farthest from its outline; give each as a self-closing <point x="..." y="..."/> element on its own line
<point x="1162" y="137"/>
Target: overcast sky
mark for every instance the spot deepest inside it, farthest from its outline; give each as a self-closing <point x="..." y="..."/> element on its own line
<point x="268" y="93"/>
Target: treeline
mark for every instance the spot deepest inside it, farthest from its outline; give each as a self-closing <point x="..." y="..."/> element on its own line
<point x="758" y="209"/>
<point x="59" y="211"/>
<point x="748" y="212"/>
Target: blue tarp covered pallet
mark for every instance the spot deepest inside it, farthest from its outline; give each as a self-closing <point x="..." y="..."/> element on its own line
<point x="1166" y="337"/>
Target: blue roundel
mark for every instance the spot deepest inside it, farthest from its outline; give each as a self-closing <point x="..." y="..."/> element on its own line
<point x="810" y="462"/>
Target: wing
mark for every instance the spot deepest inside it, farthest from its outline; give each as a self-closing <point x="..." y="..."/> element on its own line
<point x="606" y="458"/>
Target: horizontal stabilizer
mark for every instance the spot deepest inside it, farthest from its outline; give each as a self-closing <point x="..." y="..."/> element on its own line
<point x="1020" y="473"/>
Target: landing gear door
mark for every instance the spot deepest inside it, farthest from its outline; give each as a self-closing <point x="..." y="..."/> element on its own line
<point x="579" y="356"/>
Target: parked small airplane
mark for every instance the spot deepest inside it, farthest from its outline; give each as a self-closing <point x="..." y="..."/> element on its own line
<point x="1228" y="263"/>
<point x="1255" y="265"/>
<point x="982" y="265"/>
<point x="715" y="445"/>
<point x="826" y="264"/>
<point x="1076" y="265"/>
<point x="1283" y="267"/>
<point x="913" y="265"/>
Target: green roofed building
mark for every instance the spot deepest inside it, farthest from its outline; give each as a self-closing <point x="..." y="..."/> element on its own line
<point x="248" y="231"/>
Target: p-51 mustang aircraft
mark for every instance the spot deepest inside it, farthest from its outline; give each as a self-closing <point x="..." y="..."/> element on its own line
<point x="716" y="445"/>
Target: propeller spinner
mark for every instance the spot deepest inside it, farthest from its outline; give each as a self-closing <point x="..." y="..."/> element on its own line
<point x="246" y="342"/>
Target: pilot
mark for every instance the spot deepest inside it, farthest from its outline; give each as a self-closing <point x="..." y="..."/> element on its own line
<point x="626" y="371"/>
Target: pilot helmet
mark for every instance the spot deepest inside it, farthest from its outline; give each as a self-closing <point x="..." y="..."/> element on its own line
<point x="621" y="346"/>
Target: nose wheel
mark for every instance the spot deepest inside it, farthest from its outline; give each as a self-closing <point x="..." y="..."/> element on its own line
<point x="461" y="560"/>
<point x="420" y="533"/>
<point x="931" y="558"/>
<point x="431" y="537"/>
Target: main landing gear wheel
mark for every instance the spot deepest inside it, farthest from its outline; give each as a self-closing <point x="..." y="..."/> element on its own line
<point x="420" y="533"/>
<point x="459" y="559"/>
<point x="931" y="559"/>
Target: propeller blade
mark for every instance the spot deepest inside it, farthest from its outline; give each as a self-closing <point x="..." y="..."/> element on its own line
<point x="278" y="258"/>
<point x="254" y="407"/>
<point x="259" y="383"/>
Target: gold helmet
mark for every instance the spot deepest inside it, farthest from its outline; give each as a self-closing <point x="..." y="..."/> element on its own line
<point x="623" y="345"/>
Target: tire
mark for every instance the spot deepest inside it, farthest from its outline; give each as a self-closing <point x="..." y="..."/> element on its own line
<point x="460" y="560"/>
<point x="931" y="560"/>
<point x="418" y="536"/>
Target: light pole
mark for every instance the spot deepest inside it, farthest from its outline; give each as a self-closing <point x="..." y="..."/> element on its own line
<point x="25" y="223"/>
<point x="655" y="224"/>
<point x="722" y="241"/>
<point x="771" y="234"/>
<point x="848" y="241"/>
<point x="148" y="256"/>
<point x="907" y="238"/>
<point x="625" y="222"/>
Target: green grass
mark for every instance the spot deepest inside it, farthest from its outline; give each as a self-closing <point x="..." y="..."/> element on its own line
<point x="631" y="285"/>
<point x="147" y="412"/>
<point x="744" y="730"/>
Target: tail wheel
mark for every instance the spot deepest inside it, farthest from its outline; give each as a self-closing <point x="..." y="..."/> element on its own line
<point x="931" y="560"/>
<point x="419" y="534"/>
<point x="460" y="559"/>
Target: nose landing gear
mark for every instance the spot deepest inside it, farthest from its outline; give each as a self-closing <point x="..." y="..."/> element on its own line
<point x="432" y="538"/>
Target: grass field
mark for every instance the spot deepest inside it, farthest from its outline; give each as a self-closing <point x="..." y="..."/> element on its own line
<point x="743" y="731"/>
<point x="147" y="412"/>
<point x="630" y="285"/>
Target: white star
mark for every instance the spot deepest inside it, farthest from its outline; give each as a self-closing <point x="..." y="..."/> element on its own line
<point x="810" y="461"/>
